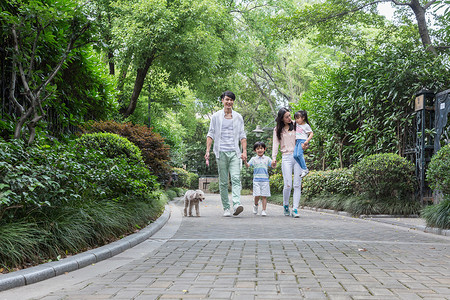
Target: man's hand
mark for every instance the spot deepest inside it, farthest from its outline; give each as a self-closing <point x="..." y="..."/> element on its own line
<point x="244" y="156"/>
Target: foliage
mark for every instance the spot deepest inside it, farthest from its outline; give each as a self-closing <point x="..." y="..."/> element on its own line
<point x="247" y="177"/>
<point x="54" y="232"/>
<point x="276" y="183"/>
<point x="214" y="187"/>
<point x="438" y="215"/>
<point x="330" y="182"/>
<point x="186" y="179"/>
<point x="112" y="145"/>
<point x="171" y="35"/>
<point x="384" y="176"/>
<point x="41" y="38"/>
<point x="438" y="172"/>
<point x="38" y="176"/>
<point x="155" y="152"/>
<point x="171" y="194"/>
<point x="360" y="109"/>
<point x="358" y="205"/>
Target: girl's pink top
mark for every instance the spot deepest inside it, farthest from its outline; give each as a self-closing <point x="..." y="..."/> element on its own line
<point x="287" y="143"/>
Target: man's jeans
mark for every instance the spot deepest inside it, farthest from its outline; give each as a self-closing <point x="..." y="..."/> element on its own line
<point x="229" y="163"/>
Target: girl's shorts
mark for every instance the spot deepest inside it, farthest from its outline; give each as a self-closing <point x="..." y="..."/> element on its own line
<point x="261" y="188"/>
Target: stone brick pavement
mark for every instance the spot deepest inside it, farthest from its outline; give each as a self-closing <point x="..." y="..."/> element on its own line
<point x="318" y="256"/>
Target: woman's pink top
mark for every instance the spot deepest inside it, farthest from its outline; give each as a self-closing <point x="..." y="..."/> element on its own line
<point x="287" y="143"/>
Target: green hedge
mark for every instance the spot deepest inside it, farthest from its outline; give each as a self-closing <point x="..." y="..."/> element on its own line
<point x="112" y="145"/>
<point x="384" y="176"/>
<point x="185" y="179"/>
<point x="438" y="172"/>
<point x="338" y="181"/>
<point x="61" y="199"/>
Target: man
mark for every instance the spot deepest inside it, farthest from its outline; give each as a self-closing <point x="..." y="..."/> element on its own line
<point x="227" y="129"/>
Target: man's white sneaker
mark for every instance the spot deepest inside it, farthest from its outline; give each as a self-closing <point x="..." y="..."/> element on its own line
<point x="255" y="209"/>
<point x="238" y="209"/>
<point x="263" y="213"/>
<point x="304" y="173"/>
<point x="226" y="213"/>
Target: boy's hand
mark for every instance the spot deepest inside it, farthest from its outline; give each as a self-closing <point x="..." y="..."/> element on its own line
<point x="305" y="145"/>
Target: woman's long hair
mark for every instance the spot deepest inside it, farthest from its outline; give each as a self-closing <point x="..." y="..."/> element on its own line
<point x="280" y="122"/>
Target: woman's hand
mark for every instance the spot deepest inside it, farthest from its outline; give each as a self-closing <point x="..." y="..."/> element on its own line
<point x="274" y="163"/>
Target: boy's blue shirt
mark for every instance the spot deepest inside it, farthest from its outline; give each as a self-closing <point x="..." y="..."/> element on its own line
<point x="260" y="170"/>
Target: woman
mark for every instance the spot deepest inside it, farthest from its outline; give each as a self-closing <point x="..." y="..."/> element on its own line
<point x="284" y="138"/>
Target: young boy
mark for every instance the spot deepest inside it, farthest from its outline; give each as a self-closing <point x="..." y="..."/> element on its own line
<point x="261" y="187"/>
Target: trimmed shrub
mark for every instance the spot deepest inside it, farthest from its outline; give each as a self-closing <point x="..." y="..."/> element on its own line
<point x="155" y="152"/>
<point x="185" y="179"/>
<point x="247" y="177"/>
<point x="171" y="194"/>
<point x="112" y="145"/>
<point x="438" y="215"/>
<point x="330" y="182"/>
<point x="384" y="176"/>
<point x="276" y="183"/>
<point x="214" y="187"/>
<point x="192" y="181"/>
<point x="438" y="172"/>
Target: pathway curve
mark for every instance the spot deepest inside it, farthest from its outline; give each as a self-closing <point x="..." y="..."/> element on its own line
<point x="318" y="256"/>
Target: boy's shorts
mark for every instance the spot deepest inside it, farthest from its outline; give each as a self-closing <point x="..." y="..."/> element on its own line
<point x="261" y="188"/>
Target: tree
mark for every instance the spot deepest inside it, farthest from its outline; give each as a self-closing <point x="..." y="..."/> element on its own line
<point x="184" y="37"/>
<point x="332" y="13"/>
<point x="36" y="31"/>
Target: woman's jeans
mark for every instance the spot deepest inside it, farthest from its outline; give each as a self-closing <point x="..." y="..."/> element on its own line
<point x="229" y="163"/>
<point x="288" y="164"/>
<point x="298" y="153"/>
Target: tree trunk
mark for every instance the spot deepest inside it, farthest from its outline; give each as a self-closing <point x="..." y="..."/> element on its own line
<point x="138" y="84"/>
<point x="419" y="12"/>
<point x="111" y="63"/>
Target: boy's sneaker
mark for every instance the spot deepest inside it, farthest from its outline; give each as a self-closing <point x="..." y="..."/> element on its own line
<point x="255" y="209"/>
<point x="226" y="213"/>
<point x="263" y="213"/>
<point x="238" y="209"/>
<point x="295" y="213"/>
<point x="286" y="210"/>
<point x="304" y="173"/>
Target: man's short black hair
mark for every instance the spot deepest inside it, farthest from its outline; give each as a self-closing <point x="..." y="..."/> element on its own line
<point x="259" y="144"/>
<point x="229" y="94"/>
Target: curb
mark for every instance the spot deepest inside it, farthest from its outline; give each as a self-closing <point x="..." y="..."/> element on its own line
<point x="381" y="219"/>
<point x="81" y="260"/>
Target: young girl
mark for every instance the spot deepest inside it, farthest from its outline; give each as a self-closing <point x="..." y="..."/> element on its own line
<point x="303" y="134"/>
<point x="261" y="186"/>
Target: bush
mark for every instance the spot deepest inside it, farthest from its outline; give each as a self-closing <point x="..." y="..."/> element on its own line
<point x="438" y="215"/>
<point x="155" y="152"/>
<point x="192" y="181"/>
<point x="185" y="179"/>
<point x="171" y="194"/>
<point x="276" y="183"/>
<point x="384" y="176"/>
<point x="214" y="187"/>
<point x="438" y="173"/>
<point x="247" y="177"/>
<point x="330" y="182"/>
<point x="112" y="145"/>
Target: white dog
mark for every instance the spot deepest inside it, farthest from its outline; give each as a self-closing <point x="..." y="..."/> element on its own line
<point x="193" y="198"/>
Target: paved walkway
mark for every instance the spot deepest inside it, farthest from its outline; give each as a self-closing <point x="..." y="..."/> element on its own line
<point x="318" y="256"/>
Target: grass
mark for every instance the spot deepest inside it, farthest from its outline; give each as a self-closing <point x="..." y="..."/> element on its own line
<point x="438" y="215"/>
<point x="55" y="232"/>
